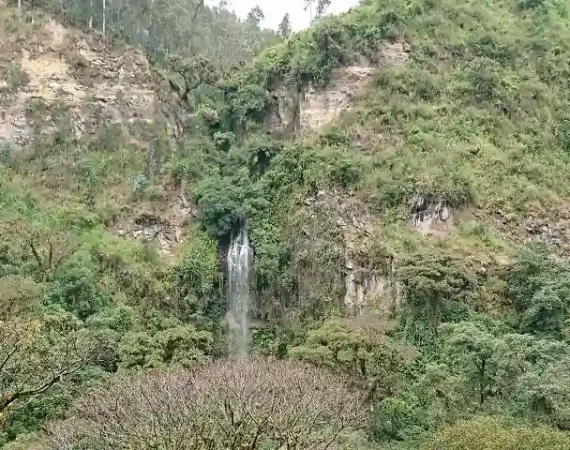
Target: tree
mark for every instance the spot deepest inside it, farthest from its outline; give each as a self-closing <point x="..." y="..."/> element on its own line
<point x="168" y="27"/>
<point x="37" y="354"/>
<point x="48" y="244"/>
<point x="233" y="405"/>
<point x="509" y="369"/>
<point x="256" y="15"/>
<point x="191" y="74"/>
<point x="285" y="27"/>
<point x="432" y="281"/>
<point x="547" y="312"/>
<point x="478" y="347"/>
<point x="18" y="295"/>
<point x="173" y="343"/>
<point x="538" y="289"/>
<point x="360" y="350"/>
<point x="104" y="17"/>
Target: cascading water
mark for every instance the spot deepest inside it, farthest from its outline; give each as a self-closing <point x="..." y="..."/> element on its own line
<point x="239" y="292"/>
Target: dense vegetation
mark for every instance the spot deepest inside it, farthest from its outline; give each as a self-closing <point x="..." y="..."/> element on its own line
<point x="475" y="352"/>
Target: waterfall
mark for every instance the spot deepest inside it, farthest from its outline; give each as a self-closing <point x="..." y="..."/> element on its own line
<point x="239" y="292"/>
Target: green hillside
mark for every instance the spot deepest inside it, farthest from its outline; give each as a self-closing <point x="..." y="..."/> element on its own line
<point x="410" y="250"/>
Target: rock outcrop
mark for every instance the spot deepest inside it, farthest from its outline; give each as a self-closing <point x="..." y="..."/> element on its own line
<point x="59" y="79"/>
<point x="368" y="280"/>
<point x="367" y="284"/>
<point x="432" y="215"/>
<point x="163" y="226"/>
<point x="292" y="111"/>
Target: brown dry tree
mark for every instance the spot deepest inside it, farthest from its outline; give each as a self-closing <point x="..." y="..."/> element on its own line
<point x="230" y="405"/>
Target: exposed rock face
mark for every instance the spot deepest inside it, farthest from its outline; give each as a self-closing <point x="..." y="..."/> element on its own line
<point x="293" y="111"/>
<point x="62" y="78"/>
<point x="283" y="113"/>
<point x="367" y="285"/>
<point x="368" y="282"/>
<point x="431" y="215"/>
<point x="393" y="54"/>
<point x="162" y="227"/>
<point x="369" y="289"/>
<point x="321" y="106"/>
<point x="552" y="228"/>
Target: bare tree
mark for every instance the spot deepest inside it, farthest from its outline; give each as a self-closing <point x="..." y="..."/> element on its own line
<point x="230" y="405"/>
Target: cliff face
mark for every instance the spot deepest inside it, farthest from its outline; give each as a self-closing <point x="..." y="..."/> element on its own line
<point x="364" y="284"/>
<point x="59" y="84"/>
<point x="55" y="78"/>
<point x="294" y="111"/>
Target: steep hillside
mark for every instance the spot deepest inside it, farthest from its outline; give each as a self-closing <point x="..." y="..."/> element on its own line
<point x="402" y="172"/>
<point x="455" y="145"/>
<point x="69" y="99"/>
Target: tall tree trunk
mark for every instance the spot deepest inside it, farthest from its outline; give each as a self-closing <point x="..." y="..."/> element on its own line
<point x="90" y="14"/>
<point x="104" y="17"/>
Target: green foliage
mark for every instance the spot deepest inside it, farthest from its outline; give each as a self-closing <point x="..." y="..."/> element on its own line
<point x="75" y="288"/>
<point x="6" y="153"/>
<point x="397" y="419"/>
<point x="195" y="278"/>
<point x="195" y="156"/>
<point x="285" y="27"/>
<point x="165" y="28"/>
<point x="221" y="202"/>
<point x="140" y="183"/>
<point x="434" y="281"/>
<point x="477" y="118"/>
<point x="491" y="434"/>
<point x="361" y="351"/>
<point x="539" y="292"/>
<point x="39" y="354"/>
<point x="166" y="341"/>
<point x="14" y="76"/>
<point x="334" y="137"/>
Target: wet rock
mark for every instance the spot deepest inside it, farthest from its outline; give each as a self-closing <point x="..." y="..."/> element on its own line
<point x="431" y="215"/>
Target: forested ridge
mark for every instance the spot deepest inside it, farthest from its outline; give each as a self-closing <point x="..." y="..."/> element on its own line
<point x="410" y="251"/>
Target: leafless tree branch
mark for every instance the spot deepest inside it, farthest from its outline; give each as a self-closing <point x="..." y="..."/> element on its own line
<point x="229" y="405"/>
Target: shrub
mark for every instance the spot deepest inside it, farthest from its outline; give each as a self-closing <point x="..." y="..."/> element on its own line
<point x="6" y="153"/>
<point x="76" y="289"/>
<point x="195" y="277"/>
<point x="491" y="434"/>
<point x="140" y="183"/>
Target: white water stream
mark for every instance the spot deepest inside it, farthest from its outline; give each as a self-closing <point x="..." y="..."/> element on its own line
<point x="239" y="292"/>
